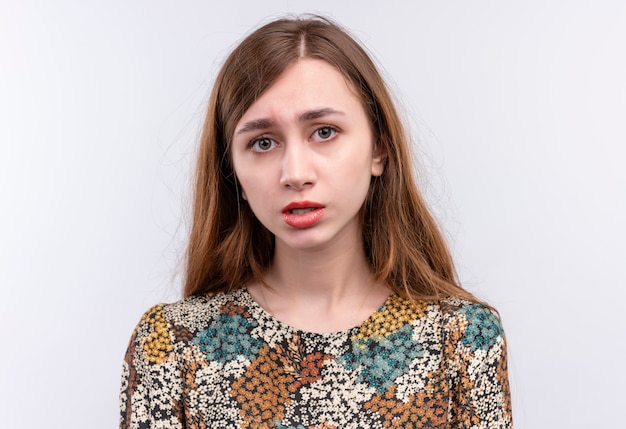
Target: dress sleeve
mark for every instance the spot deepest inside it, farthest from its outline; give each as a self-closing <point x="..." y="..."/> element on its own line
<point x="480" y="393"/>
<point x="151" y="387"/>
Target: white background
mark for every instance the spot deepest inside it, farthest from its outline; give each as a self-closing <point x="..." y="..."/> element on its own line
<point x="519" y="112"/>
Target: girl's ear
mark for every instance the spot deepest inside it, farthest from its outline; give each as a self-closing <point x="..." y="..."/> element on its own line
<point x="243" y="195"/>
<point x="379" y="159"/>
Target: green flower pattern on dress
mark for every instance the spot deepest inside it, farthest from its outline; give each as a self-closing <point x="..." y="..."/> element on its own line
<point x="483" y="328"/>
<point x="228" y="338"/>
<point x="380" y="361"/>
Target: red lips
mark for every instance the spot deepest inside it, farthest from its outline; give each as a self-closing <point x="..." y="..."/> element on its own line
<point x="302" y="214"/>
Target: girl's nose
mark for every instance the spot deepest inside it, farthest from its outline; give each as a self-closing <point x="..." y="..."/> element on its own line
<point x="297" y="169"/>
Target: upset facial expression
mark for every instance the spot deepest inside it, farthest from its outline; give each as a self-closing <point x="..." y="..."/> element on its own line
<point x="304" y="154"/>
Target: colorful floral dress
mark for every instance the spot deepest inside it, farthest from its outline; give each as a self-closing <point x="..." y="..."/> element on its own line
<point x="224" y="362"/>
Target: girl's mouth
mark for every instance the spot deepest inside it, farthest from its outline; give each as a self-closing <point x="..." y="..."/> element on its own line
<point x="302" y="211"/>
<point x="302" y="214"/>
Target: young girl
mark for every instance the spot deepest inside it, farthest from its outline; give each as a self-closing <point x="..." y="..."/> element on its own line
<point x="319" y="291"/>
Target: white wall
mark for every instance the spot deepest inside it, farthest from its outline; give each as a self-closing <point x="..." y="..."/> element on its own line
<point x="520" y="112"/>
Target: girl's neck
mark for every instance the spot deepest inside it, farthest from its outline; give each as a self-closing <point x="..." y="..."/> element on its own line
<point x="333" y="270"/>
<point x="321" y="290"/>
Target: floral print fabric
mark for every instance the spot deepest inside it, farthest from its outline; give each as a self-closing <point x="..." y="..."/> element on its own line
<point x="223" y="362"/>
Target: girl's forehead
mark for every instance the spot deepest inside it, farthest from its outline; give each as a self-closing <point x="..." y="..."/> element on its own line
<point x="307" y="85"/>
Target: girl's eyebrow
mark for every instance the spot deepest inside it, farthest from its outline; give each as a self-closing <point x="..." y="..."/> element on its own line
<point x="309" y="115"/>
<point x="319" y="113"/>
<point x="255" y="125"/>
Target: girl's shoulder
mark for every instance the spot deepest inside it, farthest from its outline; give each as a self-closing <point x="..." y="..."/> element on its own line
<point x="449" y="311"/>
<point x="181" y="319"/>
<point x="474" y="325"/>
<point x="204" y="306"/>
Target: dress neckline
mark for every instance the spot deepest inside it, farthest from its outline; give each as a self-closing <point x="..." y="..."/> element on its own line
<point x="262" y="313"/>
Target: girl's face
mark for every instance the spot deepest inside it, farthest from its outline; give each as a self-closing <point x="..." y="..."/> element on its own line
<point x="304" y="155"/>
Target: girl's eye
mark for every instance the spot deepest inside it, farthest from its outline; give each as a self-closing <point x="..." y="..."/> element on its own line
<point x="263" y="144"/>
<point x="325" y="133"/>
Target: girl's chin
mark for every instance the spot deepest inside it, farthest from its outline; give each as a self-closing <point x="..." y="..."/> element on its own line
<point x="302" y="245"/>
<point x="311" y="243"/>
<point x="302" y="240"/>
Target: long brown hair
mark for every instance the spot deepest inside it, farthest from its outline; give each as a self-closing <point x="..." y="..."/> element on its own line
<point x="228" y="246"/>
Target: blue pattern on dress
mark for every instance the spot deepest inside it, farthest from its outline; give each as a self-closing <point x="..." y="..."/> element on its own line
<point x="228" y="338"/>
<point x="483" y="329"/>
<point x="381" y="360"/>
